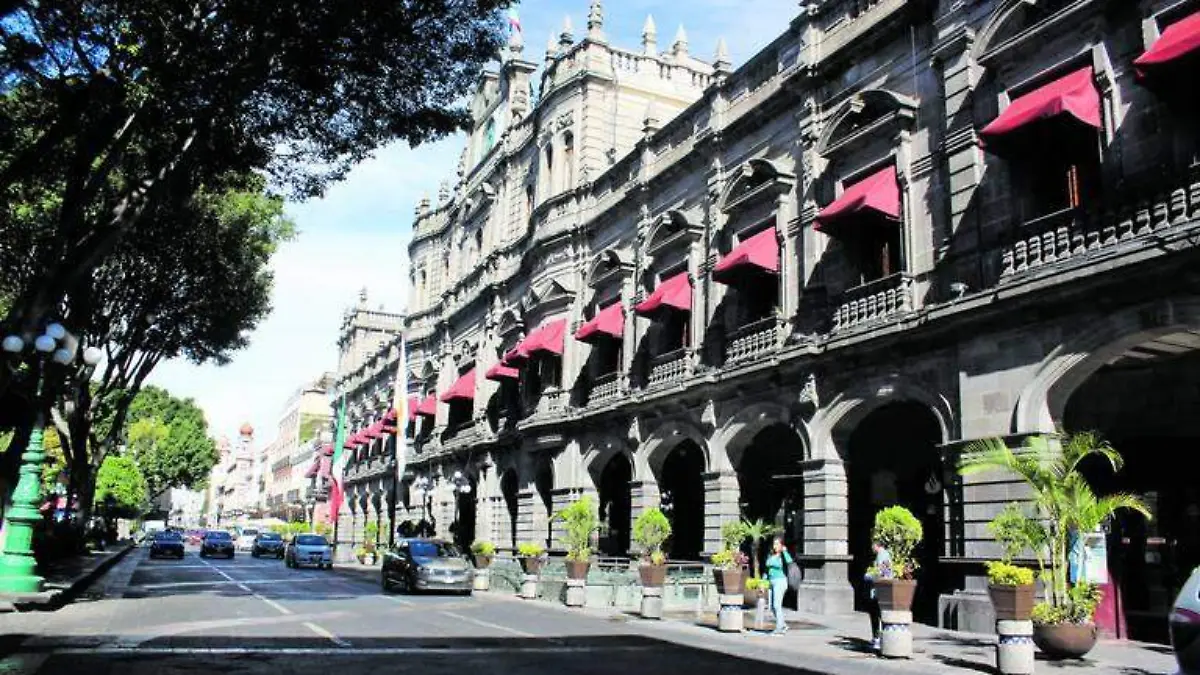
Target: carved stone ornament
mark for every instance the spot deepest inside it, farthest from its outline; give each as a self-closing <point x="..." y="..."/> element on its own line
<point x="708" y="417"/>
<point x="808" y="393"/>
<point x="565" y="120"/>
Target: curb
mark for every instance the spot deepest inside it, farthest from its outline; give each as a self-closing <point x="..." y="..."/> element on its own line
<point x="56" y="598"/>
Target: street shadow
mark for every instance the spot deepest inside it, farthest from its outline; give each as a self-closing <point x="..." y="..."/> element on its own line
<point x="853" y="644"/>
<point x="432" y="655"/>
<point x="966" y="664"/>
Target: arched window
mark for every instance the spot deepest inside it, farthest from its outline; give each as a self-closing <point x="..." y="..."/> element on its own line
<point x="479" y="244"/>
<point x="549" y="180"/>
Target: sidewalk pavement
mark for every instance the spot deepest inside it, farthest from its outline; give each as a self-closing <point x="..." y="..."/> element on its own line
<point x="66" y="579"/>
<point x="840" y="645"/>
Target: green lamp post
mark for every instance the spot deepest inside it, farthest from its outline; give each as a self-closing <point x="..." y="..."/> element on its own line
<point x="17" y="566"/>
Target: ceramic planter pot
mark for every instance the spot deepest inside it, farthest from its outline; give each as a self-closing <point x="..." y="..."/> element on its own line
<point x="653" y="576"/>
<point x="577" y="569"/>
<point x="729" y="582"/>
<point x="1065" y="640"/>
<point x="531" y="565"/>
<point x="895" y="594"/>
<point x="482" y="562"/>
<point x="750" y="596"/>
<point x="1013" y="603"/>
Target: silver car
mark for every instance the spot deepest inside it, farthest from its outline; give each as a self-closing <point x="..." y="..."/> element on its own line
<point x="308" y="549"/>
<point x="426" y="565"/>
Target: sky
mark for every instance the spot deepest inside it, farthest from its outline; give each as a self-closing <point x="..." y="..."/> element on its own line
<point x="356" y="236"/>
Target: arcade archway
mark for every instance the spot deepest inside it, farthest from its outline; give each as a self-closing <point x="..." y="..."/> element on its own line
<point x="682" y="496"/>
<point x="893" y="458"/>
<point x="615" y="505"/>
<point x="510" y="492"/>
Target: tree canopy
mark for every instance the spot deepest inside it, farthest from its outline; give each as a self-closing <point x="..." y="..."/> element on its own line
<point x="168" y="439"/>
<point x="120" y="479"/>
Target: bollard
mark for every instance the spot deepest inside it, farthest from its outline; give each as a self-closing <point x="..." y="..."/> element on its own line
<point x="760" y="612"/>
<point x="652" y="602"/>
<point x="483" y="580"/>
<point x="1014" y="650"/>
<point x="730" y="619"/>
<point x="896" y="636"/>
<point x="576" y="592"/>
<point x="529" y="589"/>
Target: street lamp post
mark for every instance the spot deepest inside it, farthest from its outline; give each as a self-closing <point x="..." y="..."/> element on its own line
<point x="18" y="564"/>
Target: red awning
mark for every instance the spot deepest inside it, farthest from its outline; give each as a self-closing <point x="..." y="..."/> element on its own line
<point x="758" y="253"/>
<point x="413" y="403"/>
<point x="673" y="293"/>
<point x="1178" y="40"/>
<point x="390" y="416"/>
<point x="463" y="388"/>
<point x="608" y="323"/>
<point x="327" y="450"/>
<point x="374" y="431"/>
<point x="547" y="338"/>
<point x="325" y="470"/>
<point x="428" y="407"/>
<point x="1074" y="95"/>
<point x="877" y="194"/>
<point x="502" y="371"/>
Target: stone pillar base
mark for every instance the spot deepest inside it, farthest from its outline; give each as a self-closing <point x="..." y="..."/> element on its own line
<point x="822" y="597"/>
<point x="1014" y="651"/>
<point x="652" y="602"/>
<point x="483" y="580"/>
<point x="529" y="583"/>
<point x="576" y="592"/>
<point x="896" y="635"/>
<point x="730" y="619"/>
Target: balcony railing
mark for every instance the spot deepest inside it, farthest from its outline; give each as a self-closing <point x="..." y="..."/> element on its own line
<point x="1075" y="233"/>
<point x="874" y="301"/>
<point x="668" y="368"/>
<point x="752" y="341"/>
<point x="604" y="388"/>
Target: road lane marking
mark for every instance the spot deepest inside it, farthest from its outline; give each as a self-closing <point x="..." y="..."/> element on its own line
<point x="426" y="650"/>
<point x="133" y="640"/>
<point x="401" y="601"/>
<point x="488" y="624"/>
<point x="278" y="607"/>
<point x="185" y="584"/>
<point x="324" y="632"/>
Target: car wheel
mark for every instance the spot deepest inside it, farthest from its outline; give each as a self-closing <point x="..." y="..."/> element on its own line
<point x="387" y="585"/>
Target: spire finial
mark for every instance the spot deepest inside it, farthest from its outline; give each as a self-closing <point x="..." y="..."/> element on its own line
<point x="721" y="62"/>
<point x="568" y="33"/>
<point x="680" y="48"/>
<point x="649" y="36"/>
<point x="551" y="48"/>
<point x="444" y="192"/>
<point x="595" y="22"/>
<point x="650" y="121"/>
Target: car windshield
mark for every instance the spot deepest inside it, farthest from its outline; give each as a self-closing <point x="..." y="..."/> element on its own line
<point x="270" y="536"/>
<point x="311" y="540"/>
<point x="249" y="533"/>
<point x="167" y="536"/>
<point x="217" y="536"/>
<point x="432" y="549"/>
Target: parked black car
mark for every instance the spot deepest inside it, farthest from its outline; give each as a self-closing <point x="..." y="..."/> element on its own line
<point x="426" y="565"/>
<point x="216" y="543"/>
<point x="167" y="544"/>
<point x="268" y="544"/>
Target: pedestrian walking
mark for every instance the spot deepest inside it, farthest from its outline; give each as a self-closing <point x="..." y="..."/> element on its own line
<point x="777" y="565"/>
<point x="881" y="569"/>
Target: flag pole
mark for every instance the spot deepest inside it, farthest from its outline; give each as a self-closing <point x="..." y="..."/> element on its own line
<point x="400" y="405"/>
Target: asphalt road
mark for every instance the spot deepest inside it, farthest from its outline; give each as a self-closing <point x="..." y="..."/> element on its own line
<point x="256" y="616"/>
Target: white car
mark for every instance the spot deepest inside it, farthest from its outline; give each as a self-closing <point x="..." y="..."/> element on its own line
<point x="1185" y="626"/>
<point x="308" y="549"/>
<point x="245" y="540"/>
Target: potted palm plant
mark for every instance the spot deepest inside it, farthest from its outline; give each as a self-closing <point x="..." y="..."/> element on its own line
<point x="756" y="531"/>
<point x="579" y="522"/>
<point x="650" y="531"/>
<point x="898" y="531"/>
<point x="1066" y="507"/>
<point x="1012" y="587"/>
<point x="729" y="561"/>
<point x="482" y="553"/>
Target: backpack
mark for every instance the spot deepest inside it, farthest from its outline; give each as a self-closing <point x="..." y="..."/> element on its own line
<point x="794" y="575"/>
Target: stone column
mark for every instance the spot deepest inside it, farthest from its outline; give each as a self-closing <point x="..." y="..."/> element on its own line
<point x="485" y="526"/>
<point x="562" y="498"/>
<point x="826" y="587"/>
<point x="526" y="518"/>
<point x="721" y="495"/>
<point x="644" y="496"/>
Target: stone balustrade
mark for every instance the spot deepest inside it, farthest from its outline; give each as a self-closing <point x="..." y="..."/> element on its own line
<point x="874" y="301"/>
<point x="604" y="389"/>
<point x="1074" y="233"/>
<point x="753" y="341"/>
<point x="668" y="368"/>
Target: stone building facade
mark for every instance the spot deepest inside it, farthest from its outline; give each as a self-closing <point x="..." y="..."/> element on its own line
<point x="368" y="344"/>
<point x="796" y="289"/>
<point x="305" y="416"/>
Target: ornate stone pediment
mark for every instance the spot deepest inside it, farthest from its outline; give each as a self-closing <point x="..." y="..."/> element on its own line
<point x="874" y="112"/>
<point x="756" y="180"/>
<point x="550" y="295"/>
<point x="672" y="229"/>
<point x="606" y="267"/>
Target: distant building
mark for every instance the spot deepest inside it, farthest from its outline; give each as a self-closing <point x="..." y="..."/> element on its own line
<point x="306" y="415"/>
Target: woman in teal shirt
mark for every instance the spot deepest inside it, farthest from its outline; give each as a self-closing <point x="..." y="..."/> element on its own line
<point x="777" y="574"/>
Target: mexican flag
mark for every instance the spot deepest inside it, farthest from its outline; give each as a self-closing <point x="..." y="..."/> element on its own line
<point x="400" y="405"/>
<point x="337" y="490"/>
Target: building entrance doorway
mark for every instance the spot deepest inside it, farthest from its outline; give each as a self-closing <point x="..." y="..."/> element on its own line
<point x="768" y="487"/>
<point x="544" y="485"/>
<point x="464" y="513"/>
<point x="509" y="490"/>
<point x="1145" y="404"/>
<point x="893" y="459"/>
<point x="682" y="493"/>
<point x="616" y="506"/>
